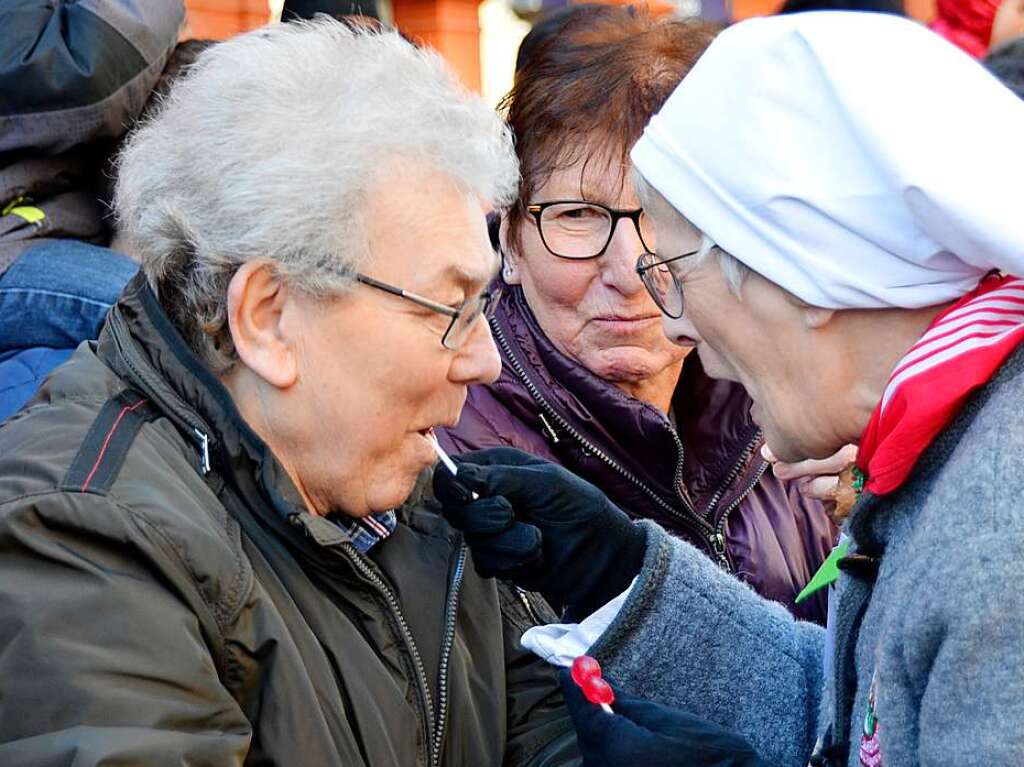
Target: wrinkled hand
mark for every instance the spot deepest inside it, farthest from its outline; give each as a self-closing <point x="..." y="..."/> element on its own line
<point x="820" y="476"/>
<point x="642" y="732"/>
<point x="542" y="527"/>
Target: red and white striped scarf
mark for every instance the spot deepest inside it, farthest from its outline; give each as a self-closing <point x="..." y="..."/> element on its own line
<point x="959" y="352"/>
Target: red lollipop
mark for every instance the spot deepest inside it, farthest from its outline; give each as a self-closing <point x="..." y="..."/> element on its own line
<point x="586" y="673"/>
<point x="583" y="668"/>
<point x="598" y="691"/>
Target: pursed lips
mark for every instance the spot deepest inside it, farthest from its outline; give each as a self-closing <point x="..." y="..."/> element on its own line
<point x="617" y="324"/>
<point x="428" y="432"/>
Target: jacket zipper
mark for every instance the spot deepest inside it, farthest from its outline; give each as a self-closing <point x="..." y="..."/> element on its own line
<point x="532" y="613"/>
<point x="421" y="675"/>
<point x="594" y="449"/>
<point x="711" y="535"/>
<point x="737" y="466"/>
<point x="451" y="611"/>
<point x="719" y="539"/>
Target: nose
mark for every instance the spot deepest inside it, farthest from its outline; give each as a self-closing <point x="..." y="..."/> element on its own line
<point x="680" y="331"/>
<point x="618" y="263"/>
<point x="477" y="360"/>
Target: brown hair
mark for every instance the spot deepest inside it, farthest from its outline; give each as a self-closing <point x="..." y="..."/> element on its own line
<point x="587" y="90"/>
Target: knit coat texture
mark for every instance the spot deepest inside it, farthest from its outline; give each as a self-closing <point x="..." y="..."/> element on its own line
<point x="938" y="628"/>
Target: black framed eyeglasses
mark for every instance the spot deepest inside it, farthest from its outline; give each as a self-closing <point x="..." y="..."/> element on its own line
<point x="463" y="318"/>
<point x="662" y="283"/>
<point x="579" y="229"/>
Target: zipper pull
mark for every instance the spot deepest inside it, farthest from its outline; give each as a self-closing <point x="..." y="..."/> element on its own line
<point x="717" y="541"/>
<point x="204" y="450"/>
<point x="548" y="430"/>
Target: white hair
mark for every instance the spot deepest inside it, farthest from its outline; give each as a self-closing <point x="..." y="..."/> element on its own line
<point x="734" y="271"/>
<point x="266" y="147"/>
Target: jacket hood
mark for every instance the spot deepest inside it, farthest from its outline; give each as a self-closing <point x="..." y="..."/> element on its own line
<point x="72" y="72"/>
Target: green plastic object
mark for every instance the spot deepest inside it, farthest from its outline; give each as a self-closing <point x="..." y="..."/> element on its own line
<point x="827" y="574"/>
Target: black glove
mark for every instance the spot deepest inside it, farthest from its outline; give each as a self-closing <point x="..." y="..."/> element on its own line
<point x="542" y="527"/>
<point x="642" y="732"/>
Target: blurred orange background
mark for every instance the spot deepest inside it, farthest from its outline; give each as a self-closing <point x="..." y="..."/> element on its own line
<point x="450" y="26"/>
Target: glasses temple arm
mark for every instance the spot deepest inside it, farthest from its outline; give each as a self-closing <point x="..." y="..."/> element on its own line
<point x="416" y="299"/>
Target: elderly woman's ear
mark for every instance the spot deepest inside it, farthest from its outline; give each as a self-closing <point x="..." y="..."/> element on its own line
<point x="509" y="260"/>
<point x="261" y="323"/>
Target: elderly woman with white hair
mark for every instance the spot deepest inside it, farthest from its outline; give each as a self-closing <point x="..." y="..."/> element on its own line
<point x="826" y="240"/>
<point x="215" y="544"/>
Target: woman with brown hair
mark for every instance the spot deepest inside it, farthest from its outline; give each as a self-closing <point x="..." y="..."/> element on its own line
<point x="588" y="378"/>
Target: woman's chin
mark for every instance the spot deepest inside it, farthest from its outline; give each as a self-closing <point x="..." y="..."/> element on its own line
<point x="630" y="365"/>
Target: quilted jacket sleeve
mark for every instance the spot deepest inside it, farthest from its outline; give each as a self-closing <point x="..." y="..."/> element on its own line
<point x="100" y="648"/>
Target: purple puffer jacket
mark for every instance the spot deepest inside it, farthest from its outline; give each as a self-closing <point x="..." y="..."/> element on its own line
<point x="705" y="482"/>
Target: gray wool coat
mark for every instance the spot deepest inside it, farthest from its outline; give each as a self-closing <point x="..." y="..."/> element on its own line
<point x="941" y="626"/>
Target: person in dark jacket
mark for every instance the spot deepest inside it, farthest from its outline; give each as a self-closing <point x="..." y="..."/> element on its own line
<point x="588" y="378"/>
<point x="73" y="76"/>
<point x="217" y="541"/>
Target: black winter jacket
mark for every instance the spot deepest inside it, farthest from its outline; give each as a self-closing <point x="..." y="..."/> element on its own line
<point x="165" y="597"/>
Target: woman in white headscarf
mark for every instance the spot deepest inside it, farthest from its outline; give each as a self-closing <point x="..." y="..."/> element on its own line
<point x="839" y="226"/>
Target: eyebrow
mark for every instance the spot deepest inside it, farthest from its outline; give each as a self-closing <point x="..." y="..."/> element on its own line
<point x="583" y="194"/>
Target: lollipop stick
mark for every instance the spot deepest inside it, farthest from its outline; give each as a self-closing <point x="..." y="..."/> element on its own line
<point x="446" y="460"/>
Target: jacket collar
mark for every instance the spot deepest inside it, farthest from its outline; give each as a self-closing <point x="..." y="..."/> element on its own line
<point x="142" y="346"/>
<point x="712" y="417"/>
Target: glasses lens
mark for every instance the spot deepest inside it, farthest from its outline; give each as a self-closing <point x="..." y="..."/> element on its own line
<point x="463" y="325"/>
<point x="575" y="229"/>
<point x="648" y="237"/>
<point x="661" y="284"/>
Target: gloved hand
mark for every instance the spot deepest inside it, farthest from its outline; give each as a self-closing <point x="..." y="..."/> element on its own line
<point x="542" y="527"/>
<point x="642" y="732"/>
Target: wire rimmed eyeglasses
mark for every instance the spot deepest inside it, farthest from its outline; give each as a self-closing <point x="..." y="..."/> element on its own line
<point x="662" y="282"/>
<point x="463" y="318"/>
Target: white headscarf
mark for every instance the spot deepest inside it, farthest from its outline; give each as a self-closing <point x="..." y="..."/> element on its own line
<point x="856" y="159"/>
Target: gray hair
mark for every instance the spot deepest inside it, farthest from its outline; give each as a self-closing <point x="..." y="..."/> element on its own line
<point x="266" y="148"/>
<point x="734" y="271"/>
